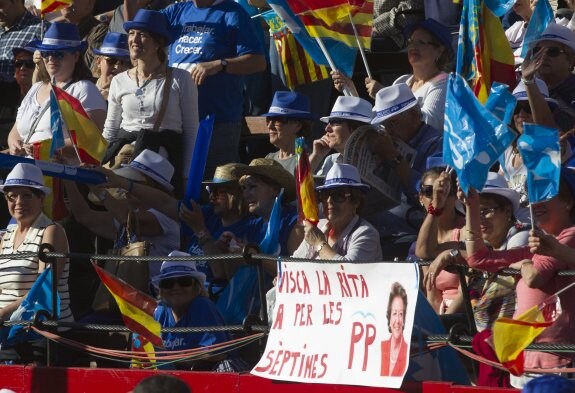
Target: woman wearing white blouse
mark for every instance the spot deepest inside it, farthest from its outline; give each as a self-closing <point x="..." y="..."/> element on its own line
<point x="136" y="95"/>
<point x="61" y="51"/>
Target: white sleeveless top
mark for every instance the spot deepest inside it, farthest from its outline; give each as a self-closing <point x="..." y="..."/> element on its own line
<point x="18" y="275"/>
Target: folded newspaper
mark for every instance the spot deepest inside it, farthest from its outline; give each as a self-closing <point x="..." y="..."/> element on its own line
<point x="375" y="170"/>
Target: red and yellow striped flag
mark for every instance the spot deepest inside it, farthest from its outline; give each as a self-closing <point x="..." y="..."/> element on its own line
<point x="512" y="336"/>
<point x="307" y="202"/>
<point x="84" y="133"/>
<point x="298" y="66"/>
<point x="331" y="19"/>
<point x="136" y="307"/>
<point x="54" y="206"/>
<point x="48" y="6"/>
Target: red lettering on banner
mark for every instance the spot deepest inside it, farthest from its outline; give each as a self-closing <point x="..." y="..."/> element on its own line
<point x="279" y="319"/>
<point x="359" y="333"/>
<point x="294" y="282"/>
<point x="270" y="358"/>
<point x="312" y="366"/>
<point x="348" y="284"/>
<point x="329" y="313"/>
<point x="302" y="315"/>
<point x="324" y="289"/>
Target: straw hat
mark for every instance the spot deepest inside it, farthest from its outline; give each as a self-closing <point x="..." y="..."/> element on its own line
<point x="343" y="175"/>
<point x="171" y="269"/>
<point x="271" y="170"/>
<point x="391" y="101"/>
<point x="26" y="175"/>
<point x="225" y="174"/>
<point x="350" y="108"/>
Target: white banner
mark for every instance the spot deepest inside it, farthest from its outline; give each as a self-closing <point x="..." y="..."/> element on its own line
<point x="341" y="323"/>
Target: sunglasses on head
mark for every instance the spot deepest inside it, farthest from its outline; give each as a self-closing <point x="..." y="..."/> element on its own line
<point x="57" y="54"/>
<point x="426" y="190"/>
<point x="183" y="281"/>
<point x="523" y="106"/>
<point x="551" y="51"/>
<point x="337" y="196"/>
<point x="29" y="64"/>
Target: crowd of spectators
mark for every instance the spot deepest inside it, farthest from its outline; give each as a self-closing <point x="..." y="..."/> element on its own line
<point x="146" y="73"/>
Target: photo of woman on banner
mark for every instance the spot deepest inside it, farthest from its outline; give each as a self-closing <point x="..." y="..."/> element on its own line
<point x="394" y="350"/>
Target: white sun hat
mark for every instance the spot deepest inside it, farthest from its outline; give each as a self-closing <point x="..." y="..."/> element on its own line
<point x="25" y="175"/>
<point x="350" y="108"/>
<point x="391" y="101"/>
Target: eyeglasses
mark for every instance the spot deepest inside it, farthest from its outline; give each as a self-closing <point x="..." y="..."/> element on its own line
<point x="336" y="122"/>
<point x="426" y="190"/>
<point x="117" y="62"/>
<point x="12" y="198"/>
<point x="488" y="212"/>
<point x="523" y="106"/>
<point x="417" y="43"/>
<point x="29" y="64"/>
<point x="551" y="51"/>
<point x="337" y="196"/>
<point x="184" y="282"/>
<point x="277" y="119"/>
<point x="58" y="55"/>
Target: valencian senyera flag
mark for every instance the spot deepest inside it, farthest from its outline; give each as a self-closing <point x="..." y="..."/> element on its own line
<point x="54" y="205"/>
<point x="484" y="54"/>
<point x="298" y="66"/>
<point x="88" y="139"/>
<point x="307" y="202"/>
<point x="343" y="56"/>
<point x="331" y="19"/>
<point x="474" y="138"/>
<point x="541" y="153"/>
<point x="512" y="336"/>
<point x="48" y="6"/>
<point x="136" y="307"/>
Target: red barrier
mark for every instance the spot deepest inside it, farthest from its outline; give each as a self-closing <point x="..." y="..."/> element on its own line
<point x="24" y="379"/>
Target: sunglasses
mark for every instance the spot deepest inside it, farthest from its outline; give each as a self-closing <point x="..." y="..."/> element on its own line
<point x="277" y="119"/>
<point x="29" y="64"/>
<point x="523" y="106"/>
<point x="418" y="43"/>
<point x="337" y="196"/>
<point x="121" y="62"/>
<point x="183" y="282"/>
<point x="336" y="122"/>
<point x="426" y="190"/>
<point x="58" y="55"/>
<point x="551" y="51"/>
<point x="488" y="212"/>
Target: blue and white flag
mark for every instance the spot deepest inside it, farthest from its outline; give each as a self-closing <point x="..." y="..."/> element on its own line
<point x="56" y="125"/>
<point x="39" y="298"/>
<point x="473" y="138"/>
<point x="541" y="17"/>
<point x="501" y="102"/>
<point x="541" y="153"/>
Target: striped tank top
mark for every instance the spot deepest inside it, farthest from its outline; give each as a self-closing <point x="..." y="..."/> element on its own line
<point x="17" y="275"/>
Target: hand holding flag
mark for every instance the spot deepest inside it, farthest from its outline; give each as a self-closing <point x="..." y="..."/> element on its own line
<point x="307" y="202"/>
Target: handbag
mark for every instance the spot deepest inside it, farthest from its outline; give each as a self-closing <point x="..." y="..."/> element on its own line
<point x="136" y="273"/>
<point x="125" y="155"/>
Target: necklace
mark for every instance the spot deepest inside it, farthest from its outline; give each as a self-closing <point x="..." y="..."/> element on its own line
<point x="140" y="89"/>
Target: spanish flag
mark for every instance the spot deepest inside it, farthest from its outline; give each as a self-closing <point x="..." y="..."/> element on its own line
<point x="54" y="205"/>
<point x="512" y="336"/>
<point x="84" y="133"/>
<point x="136" y="307"/>
<point x="48" y="6"/>
<point x="331" y="19"/>
<point x="307" y="202"/>
<point x="484" y="54"/>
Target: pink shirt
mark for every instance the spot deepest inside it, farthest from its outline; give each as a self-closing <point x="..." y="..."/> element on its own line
<point x="562" y="330"/>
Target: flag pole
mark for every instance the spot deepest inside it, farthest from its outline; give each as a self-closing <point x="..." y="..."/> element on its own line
<point x="531" y="216"/>
<point x="360" y="46"/>
<point x="330" y="61"/>
<point x="67" y="130"/>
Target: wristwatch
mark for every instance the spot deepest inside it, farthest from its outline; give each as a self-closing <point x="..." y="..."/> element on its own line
<point x="320" y="246"/>
<point x="454" y="252"/>
<point x="224" y="64"/>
